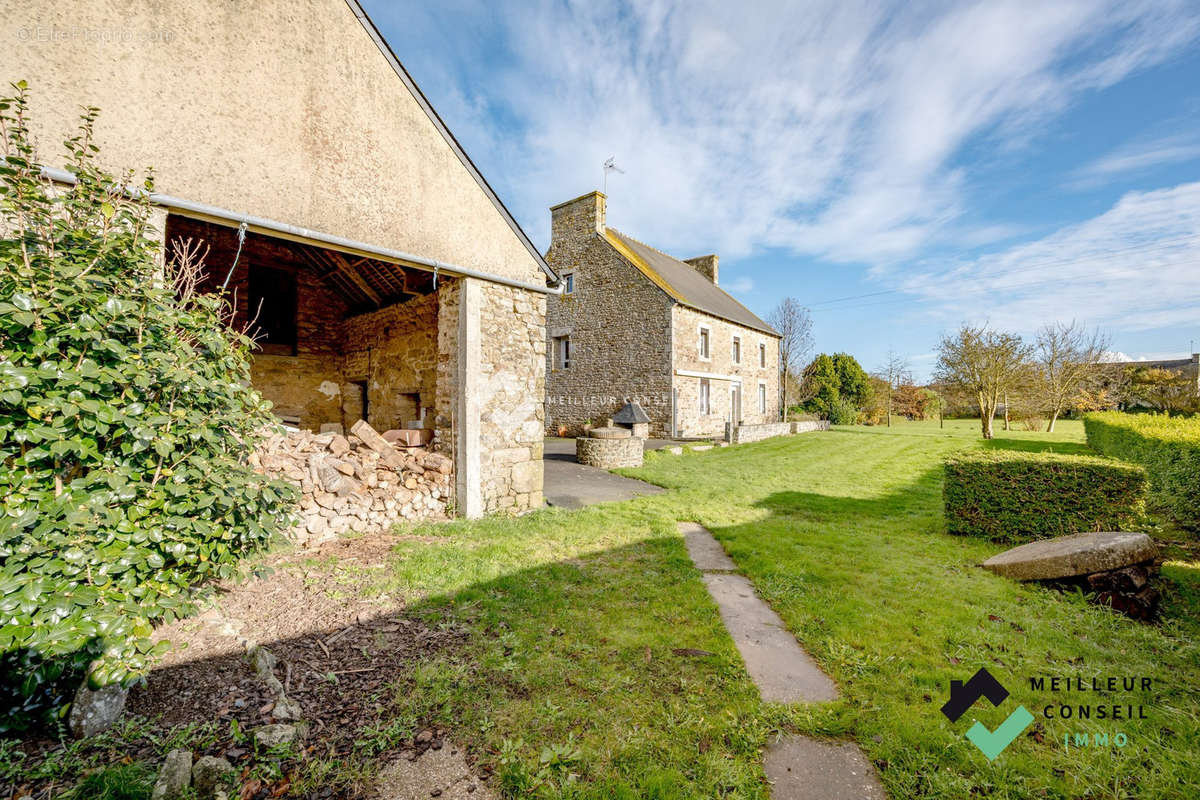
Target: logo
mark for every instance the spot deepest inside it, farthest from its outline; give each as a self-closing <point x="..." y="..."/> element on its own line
<point x="965" y="695"/>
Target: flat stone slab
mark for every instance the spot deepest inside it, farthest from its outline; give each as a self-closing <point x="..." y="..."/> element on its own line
<point x="800" y="768"/>
<point x="783" y="672"/>
<point x="1068" y="556"/>
<point x="441" y="773"/>
<point x="706" y="552"/>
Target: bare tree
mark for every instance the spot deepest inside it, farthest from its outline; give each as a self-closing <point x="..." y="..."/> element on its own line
<point x="984" y="363"/>
<point x="895" y="372"/>
<point x="794" y="325"/>
<point x="1068" y="358"/>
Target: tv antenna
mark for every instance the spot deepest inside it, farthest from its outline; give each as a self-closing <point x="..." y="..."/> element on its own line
<point x="610" y="166"/>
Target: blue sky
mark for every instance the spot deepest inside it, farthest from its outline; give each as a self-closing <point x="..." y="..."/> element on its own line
<point x="1014" y="163"/>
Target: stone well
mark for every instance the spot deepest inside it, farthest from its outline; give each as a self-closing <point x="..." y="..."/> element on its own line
<point x="608" y="448"/>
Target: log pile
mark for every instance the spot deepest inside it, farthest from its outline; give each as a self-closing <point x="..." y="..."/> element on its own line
<point x="359" y="482"/>
<point x="1126" y="590"/>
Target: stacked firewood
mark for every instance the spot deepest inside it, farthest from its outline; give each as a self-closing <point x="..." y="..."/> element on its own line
<point x="1126" y="590"/>
<point x="360" y="482"/>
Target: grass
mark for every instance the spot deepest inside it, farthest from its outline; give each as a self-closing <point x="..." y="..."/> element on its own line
<point x="570" y="688"/>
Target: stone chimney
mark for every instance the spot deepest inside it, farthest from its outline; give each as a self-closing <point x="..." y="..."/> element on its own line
<point x="705" y="265"/>
<point x="582" y="216"/>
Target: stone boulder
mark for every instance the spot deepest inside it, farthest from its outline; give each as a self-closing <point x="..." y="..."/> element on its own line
<point x="209" y="776"/>
<point x="1074" y="555"/>
<point x="175" y="776"/>
<point x="96" y="710"/>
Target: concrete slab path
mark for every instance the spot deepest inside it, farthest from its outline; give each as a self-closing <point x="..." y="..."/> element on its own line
<point x="569" y="484"/>
<point x="799" y="768"/>
<point x="783" y="672"/>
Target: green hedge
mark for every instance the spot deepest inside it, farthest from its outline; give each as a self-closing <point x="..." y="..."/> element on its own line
<point x="1168" y="447"/>
<point x="1018" y="496"/>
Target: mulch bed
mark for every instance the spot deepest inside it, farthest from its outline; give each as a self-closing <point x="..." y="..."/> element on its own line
<point x="339" y="654"/>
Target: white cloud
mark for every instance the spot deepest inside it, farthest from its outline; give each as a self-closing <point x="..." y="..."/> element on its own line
<point x="1118" y="356"/>
<point x="1136" y="157"/>
<point x="1134" y="267"/>
<point x="829" y="128"/>
<point x="742" y="285"/>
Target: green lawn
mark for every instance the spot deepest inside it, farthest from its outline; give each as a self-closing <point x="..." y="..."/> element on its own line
<point x="570" y="685"/>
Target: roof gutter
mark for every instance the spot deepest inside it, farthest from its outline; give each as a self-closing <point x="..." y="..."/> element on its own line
<point x="206" y="212"/>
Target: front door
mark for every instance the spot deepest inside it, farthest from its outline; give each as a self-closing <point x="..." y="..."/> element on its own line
<point x="735" y="404"/>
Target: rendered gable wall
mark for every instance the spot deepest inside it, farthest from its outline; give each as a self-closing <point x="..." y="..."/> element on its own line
<point x="285" y="109"/>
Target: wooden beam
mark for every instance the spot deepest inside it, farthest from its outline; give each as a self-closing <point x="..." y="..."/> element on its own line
<point x="347" y="269"/>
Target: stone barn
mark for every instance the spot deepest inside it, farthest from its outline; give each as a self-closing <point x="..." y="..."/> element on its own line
<point x="381" y="274"/>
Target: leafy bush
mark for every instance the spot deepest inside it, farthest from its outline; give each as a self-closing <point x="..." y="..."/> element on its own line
<point x="835" y="381"/>
<point x="126" y="422"/>
<point x="1168" y="447"/>
<point x="1019" y="496"/>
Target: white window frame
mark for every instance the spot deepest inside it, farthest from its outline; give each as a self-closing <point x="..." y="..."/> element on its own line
<point x="562" y="351"/>
<point x="704" y="342"/>
<point x="762" y="354"/>
<point x="737" y="349"/>
<point x="568" y="282"/>
<point x="704" y="397"/>
<point x="762" y="397"/>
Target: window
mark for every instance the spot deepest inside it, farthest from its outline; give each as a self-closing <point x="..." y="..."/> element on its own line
<point x="562" y="352"/>
<point x="705" y="351"/>
<point x="704" y="405"/>
<point x="762" y="354"/>
<point x="568" y="283"/>
<point x="737" y="349"/>
<point x="272" y="307"/>
<point x="762" y="398"/>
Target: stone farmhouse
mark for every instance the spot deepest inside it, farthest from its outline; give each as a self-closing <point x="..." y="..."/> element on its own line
<point x="384" y="277"/>
<point x="634" y="323"/>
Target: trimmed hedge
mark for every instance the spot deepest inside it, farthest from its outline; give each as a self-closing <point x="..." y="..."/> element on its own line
<point x="1168" y="447"/>
<point x="1019" y="497"/>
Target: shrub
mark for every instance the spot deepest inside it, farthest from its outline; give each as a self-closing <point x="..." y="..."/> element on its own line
<point x="843" y="412"/>
<point x="126" y="422"/>
<point x="1019" y="496"/>
<point x="1169" y="449"/>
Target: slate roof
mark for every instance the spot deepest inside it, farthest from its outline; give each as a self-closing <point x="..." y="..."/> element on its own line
<point x="683" y="283"/>
<point x="631" y="414"/>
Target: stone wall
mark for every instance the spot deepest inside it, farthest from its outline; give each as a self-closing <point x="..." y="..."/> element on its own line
<point x="508" y="384"/>
<point x="513" y="383"/>
<point x="756" y="433"/>
<point x="808" y="426"/>
<point x="395" y="350"/>
<point x="721" y="369"/>
<point x="619" y="324"/>
<point x="610" y="453"/>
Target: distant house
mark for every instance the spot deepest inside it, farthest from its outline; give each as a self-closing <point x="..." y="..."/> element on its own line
<point x="1188" y="370"/>
<point x="1189" y="367"/>
<point x="634" y="323"/>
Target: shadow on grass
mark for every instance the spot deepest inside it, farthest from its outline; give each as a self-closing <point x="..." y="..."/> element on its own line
<point x="577" y="655"/>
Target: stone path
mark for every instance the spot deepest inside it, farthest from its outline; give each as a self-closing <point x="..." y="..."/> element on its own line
<point x="798" y="767"/>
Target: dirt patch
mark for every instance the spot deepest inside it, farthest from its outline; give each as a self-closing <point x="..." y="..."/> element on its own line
<point x="340" y="652"/>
